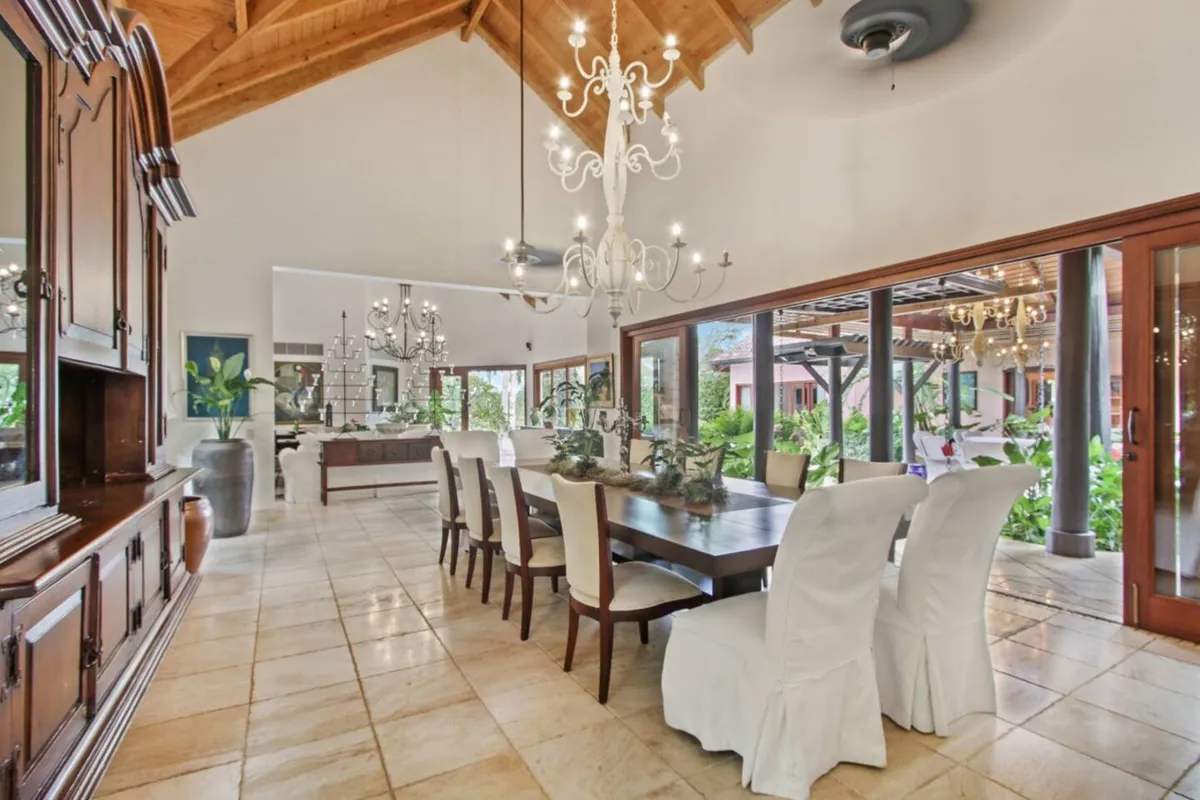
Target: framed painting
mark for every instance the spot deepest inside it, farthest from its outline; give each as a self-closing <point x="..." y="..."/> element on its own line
<point x="387" y="386"/>
<point x="602" y="365"/>
<point x="200" y="347"/>
<point x="299" y="393"/>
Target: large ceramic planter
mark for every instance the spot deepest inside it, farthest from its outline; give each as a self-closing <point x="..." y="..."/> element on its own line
<point x="227" y="480"/>
<point x="197" y="530"/>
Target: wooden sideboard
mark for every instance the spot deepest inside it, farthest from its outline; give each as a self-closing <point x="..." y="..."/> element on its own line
<point x="378" y="452"/>
<point x="92" y="576"/>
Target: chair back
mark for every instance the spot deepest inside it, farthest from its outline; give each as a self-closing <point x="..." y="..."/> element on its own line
<point x="973" y="448"/>
<point x="825" y="584"/>
<point x="584" y="516"/>
<point x="639" y="455"/>
<point x="477" y="508"/>
<point x="787" y="469"/>
<point x="530" y="445"/>
<point x="472" y="444"/>
<point x="514" y="512"/>
<point x="443" y="472"/>
<point x="951" y="541"/>
<point x="852" y="469"/>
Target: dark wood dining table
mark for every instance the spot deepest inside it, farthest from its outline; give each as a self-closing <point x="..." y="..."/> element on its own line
<point x="730" y="544"/>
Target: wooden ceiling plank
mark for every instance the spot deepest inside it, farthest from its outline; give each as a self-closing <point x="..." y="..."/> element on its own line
<point x="218" y="45"/>
<point x="306" y="75"/>
<point x="307" y="9"/>
<point x="732" y="19"/>
<point x="588" y="136"/>
<point x="241" y="16"/>
<point x="240" y="76"/>
<point x="654" y="21"/>
<point x="477" y="10"/>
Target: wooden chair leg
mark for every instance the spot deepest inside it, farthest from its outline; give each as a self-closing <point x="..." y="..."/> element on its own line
<point x="572" y="632"/>
<point x="526" y="604"/>
<point x="453" y="547"/>
<point x="606" y="646"/>
<point x="470" y="563"/>
<point x="445" y="538"/>
<point x="644" y="630"/>
<point x="487" y="574"/>
<point x="508" y="590"/>
<point x="554" y="583"/>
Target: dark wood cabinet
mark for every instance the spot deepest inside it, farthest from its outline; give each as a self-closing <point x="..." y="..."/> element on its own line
<point x="55" y="652"/>
<point x="87" y="184"/>
<point x="92" y="575"/>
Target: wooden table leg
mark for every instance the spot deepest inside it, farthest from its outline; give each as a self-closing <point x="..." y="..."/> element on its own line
<point x="742" y="583"/>
<point x="324" y="484"/>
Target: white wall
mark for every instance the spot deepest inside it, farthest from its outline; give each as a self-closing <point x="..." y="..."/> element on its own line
<point x="806" y="166"/>
<point x="406" y="169"/>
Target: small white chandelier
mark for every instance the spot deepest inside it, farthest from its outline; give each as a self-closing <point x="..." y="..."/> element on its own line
<point x="618" y="267"/>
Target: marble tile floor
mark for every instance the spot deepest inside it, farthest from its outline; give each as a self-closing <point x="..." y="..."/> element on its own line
<point x="328" y="656"/>
<point x="1090" y="586"/>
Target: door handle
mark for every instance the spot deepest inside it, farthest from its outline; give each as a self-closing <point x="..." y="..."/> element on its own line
<point x="1131" y="427"/>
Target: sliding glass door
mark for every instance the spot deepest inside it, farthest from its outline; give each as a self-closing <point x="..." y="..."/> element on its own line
<point x="1161" y="385"/>
<point x="660" y="392"/>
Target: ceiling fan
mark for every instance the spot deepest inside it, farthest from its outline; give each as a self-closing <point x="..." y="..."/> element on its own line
<point x="903" y="29"/>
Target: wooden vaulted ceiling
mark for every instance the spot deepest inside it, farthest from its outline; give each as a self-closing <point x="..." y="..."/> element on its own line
<point x="226" y="58"/>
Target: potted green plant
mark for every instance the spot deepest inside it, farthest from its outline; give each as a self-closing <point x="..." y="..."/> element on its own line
<point x="435" y="414"/>
<point x="226" y="463"/>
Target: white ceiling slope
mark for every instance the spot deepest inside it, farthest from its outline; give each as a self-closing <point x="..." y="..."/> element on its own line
<point x="406" y="168"/>
<point x="806" y="166"/>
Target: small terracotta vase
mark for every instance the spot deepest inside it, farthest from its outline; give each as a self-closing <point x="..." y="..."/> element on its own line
<point x="198" y="530"/>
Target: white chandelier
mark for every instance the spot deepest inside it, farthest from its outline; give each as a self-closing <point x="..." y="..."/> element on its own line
<point x="618" y="267"/>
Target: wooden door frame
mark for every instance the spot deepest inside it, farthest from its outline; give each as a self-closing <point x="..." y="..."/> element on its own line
<point x="631" y="375"/>
<point x="1143" y="607"/>
<point x="435" y="384"/>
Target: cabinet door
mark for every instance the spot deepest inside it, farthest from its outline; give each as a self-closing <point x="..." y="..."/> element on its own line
<point x="136" y="301"/>
<point x="116" y="597"/>
<point x="51" y="697"/>
<point x="86" y="206"/>
<point x="174" y="538"/>
<point x="151" y="550"/>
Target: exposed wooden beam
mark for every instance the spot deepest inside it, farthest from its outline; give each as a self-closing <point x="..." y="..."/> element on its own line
<point x="732" y="19"/>
<point x="477" y="9"/>
<point x="241" y="16"/>
<point x="815" y="3"/>
<point x="590" y="137"/>
<point x="306" y="9"/>
<point x="240" y="76"/>
<point x="219" y="44"/>
<point x="305" y="75"/>
<point x="648" y="12"/>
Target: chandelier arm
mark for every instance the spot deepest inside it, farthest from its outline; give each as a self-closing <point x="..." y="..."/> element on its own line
<point x="587" y="163"/>
<point x="652" y="254"/>
<point x="639" y="155"/>
<point x="629" y="76"/>
<point x="599" y="65"/>
<point x="583" y="257"/>
<point x="699" y="286"/>
<point x="595" y="85"/>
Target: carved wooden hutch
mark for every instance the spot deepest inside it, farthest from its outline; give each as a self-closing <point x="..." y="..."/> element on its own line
<point x="92" y="582"/>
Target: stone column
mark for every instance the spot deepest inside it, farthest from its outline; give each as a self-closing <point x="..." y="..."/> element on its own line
<point x="1020" y="391"/>
<point x="908" y="395"/>
<point x="1069" y="533"/>
<point x="881" y="391"/>
<point x="764" y="390"/>
<point x="835" y="393"/>
<point x="1100" y="385"/>
<point x="953" y="396"/>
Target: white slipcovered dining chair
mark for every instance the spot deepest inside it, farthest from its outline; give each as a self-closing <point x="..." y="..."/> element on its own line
<point x="929" y="448"/>
<point x="632" y="591"/>
<point x="787" y="469"/>
<point x="531" y="445"/>
<point x="453" y="519"/>
<point x="853" y="469"/>
<point x="301" y="468"/>
<point x="639" y="455"/>
<point x="785" y="677"/>
<point x="931" y="642"/>
<point x="472" y="444"/>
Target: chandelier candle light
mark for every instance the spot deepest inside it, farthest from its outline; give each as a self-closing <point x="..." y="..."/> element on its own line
<point x="618" y="267"/>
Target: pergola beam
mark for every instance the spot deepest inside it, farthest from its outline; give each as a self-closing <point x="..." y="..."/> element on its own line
<point x="477" y="9"/>
<point x="732" y="19"/>
<point x="305" y="75"/>
<point x="219" y="45"/>
<point x="653" y="20"/>
<point x="241" y="16"/>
